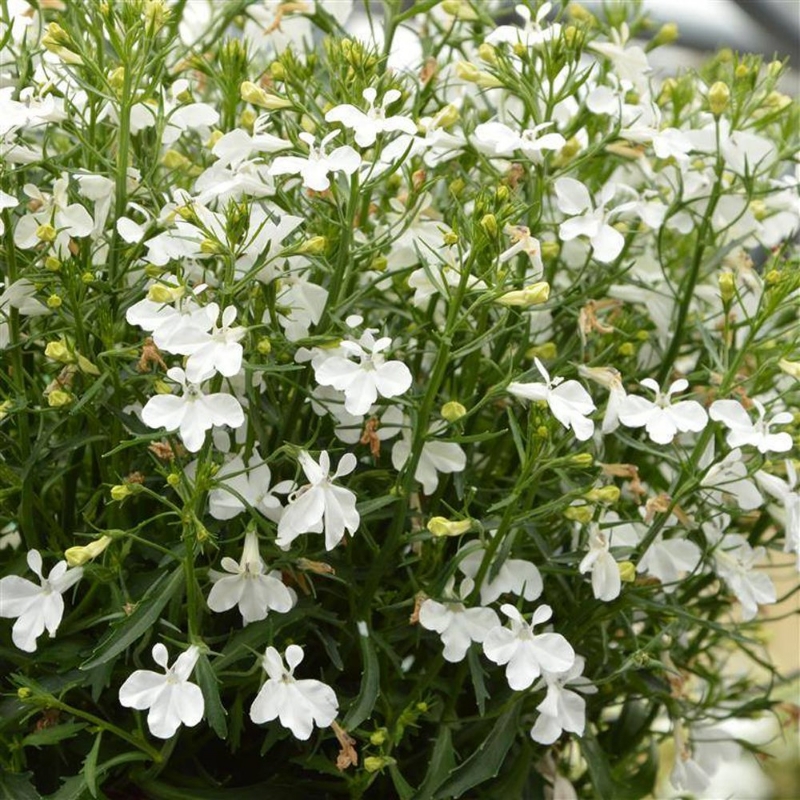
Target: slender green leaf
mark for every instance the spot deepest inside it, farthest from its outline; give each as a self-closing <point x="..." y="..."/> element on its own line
<point x="476" y="673"/>
<point x="17" y="786"/>
<point x="485" y="763"/>
<point x="442" y="763"/>
<point x="215" y="711"/>
<point x="142" y="619"/>
<point x="597" y="762"/>
<point x="53" y="735"/>
<point x="405" y="791"/>
<point x="90" y="766"/>
<point x="370" y="682"/>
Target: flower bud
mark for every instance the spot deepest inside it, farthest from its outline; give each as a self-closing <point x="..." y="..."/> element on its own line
<point x="727" y="286"/>
<point x="580" y="14"/>
<point x="582" y="459"/>
<point x="313" y="246"/>
<point x="159" y="293"/>
<point x="264" y="346"/>
<point x="58" y="398"/>
<point x="446" y="117"/>
<point x="155" y="14"/>
<point x="487" y="53"/>
<point x="277" y="71"/>
<point x="449" y="239"/>
<point x="459" y="9"/>
<point x="317" y="567"/>
<point x="626" y="349"/>
<point x="88" y="277"/>
<point x="52" y="264"/>
<point x="378" y="738"/>
<point x="58" y="41"/>
<point x="78" y="556"/>
<point x="533" y="295"/>
<point x="251" y="93"/>
<point x="172" y="159"/>
<point x="790" y="367"/>
<point x="174" y="480"/>
<point x="719" y="96"/>
<point x="489" y="225"/>
<point x="582" y="514"/>
<point x="46" y="233"/>
<point x="23" y="693"/>
<point x="54" y="301"/>
<point x="116" y="79"/>
<point x="605" y="494"/>
<point x="543" y="432"/>
<point x="550" y="250"/>
<point x="772" y="277"/>
<point x="666" y="34"/>
<point x="162" y="387"/>
<point x="467" y="72"/>
<point x="441" y="526"/>
<point x="453" y="411"/>
<point x="120" y="491"/>
<point x="627" y="571"/>
<point x="377" y="763"/>
<point x="456" y="187"/>
<point x="59" y="351"/>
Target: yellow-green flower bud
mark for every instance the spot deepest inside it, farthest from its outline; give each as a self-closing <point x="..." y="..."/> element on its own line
<point x="378" y="737"/>
<point x="772" y="277"/>
<point x="88" y="277"/>
<point x="453" y="411"/>
<point x="666" y="34"/>
<point x="313" y="246"/>
<point x="741" y="71"/>
<point x="58" y="398"/>
<point x="23" y="693"/>
<point x="215" y="136"/>
<point x="467" y="72"/>
<point x="54" y="301"/>
<point x="247" y="119"/>
<point x="627" y="571"/>
<point x="550" y="250"/>
<point x="116" y="79"/>
<point x="533" y="295"/>
<point x="174" y="479"/>
<point x="52" y="264"/>
<point x="162" y="387"/>
<point x="487" y="53"/>
<point x="460" y="9"/>
<point x="544" y="351"/>
<point x="727" y="286"/>
<point x="450" y="238"/>
<point x="277" y="70"/>
<point x="448" y="116"/>
<point x="441" y="526"/>
<point x="46" y="233"/>
<point x="58" y="41"/>
<point x="159" y="293"/>
<point x="120" y="491"/>
<point x="627" y="349"/>
<point x="211" y="247"/>
<point x="156" y="14"/>
<point x="790" y="367"/>
<point x="251" y="93"/>
<point x="605" y="494"/>
<point x="580" y="14"/>
<point x="582" y="514"/>
<point x="264" y="346"/>
<point x="489" y="225"/>
<point x="172" y="159"/>
<point x="78" y="556"/>
<point x="457" y="186"/>
<point x="582" y="459"/>
<point x="376" y="763"/>
<point x="543" y="432"/>
<point x="719" y="96"/>
<point x="59" y="351"/>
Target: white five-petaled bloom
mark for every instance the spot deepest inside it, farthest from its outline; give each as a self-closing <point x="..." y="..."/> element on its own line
<point x="587" y="220"/>
<point x="193" y="413"/>
<point x="729" y="477"/>
<point x="319" y="505"/>
<point x="661" y="418"/>
<point x="497" y="139"/>
<point x="362" y="382"/>
<point x="515" y="575"/>
<point x="368" y="124"/>
<point x="568" y="400"/>
<point x="523" y="242"/>
<point x="610" y="378"/>
<point x="248" y="585"/>
<point x="315" y="167"/>
<point x="217" y="350"/>
<point x="298" y="704"/>
<point x="786" y="492"/>
<point x="606" y="581"/>
<point x="562" y="708"/>
<point x="743" y="431"/>
<point x="172" y="698"/>
<point x="527" y="654"/>
<point x="237" y="484"/>
<point x="457" y="625"/>
<point x="36" y="607"/>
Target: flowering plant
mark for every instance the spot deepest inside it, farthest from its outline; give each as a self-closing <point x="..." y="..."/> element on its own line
<point x="506" y="316"/>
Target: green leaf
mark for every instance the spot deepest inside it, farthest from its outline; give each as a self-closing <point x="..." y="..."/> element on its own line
<point x="367" y="507"/>
<point x="405" y="791"/>
<point x="485" y="763"/>
<point x="53" y="735"/>
<point x="476" y="673"/>
<point x="215" y="711"/>
<point x="370" y="683"/>
<point x="144" y="617"/>
<point x="597" y="762"/>
<point x="73" y="788"/>
<point x="442" y="763"/>
<point x="17" y="786"/>
<point x="90" y="766"/>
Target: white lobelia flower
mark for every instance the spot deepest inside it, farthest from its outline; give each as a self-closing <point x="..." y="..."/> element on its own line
<point x="661" y="418"/>
<point x="237" y="484"/>
<point x="457" y="625"/>
<point x="298" y="704"/>
<point x="610" y="378"/>
<point x="515" y="576"/>
<point x="743" y="431"/>
<point x="436" y="457"/>
<point x="22" y="295"/>
<point x="787" y="494"/>
<point x="562" y="708"/>
<point x="368" y="124"/>
<point x="589" y="220"/>
<point x="319" y="506"/>
<point x="630" y="62"/>
<point x="606" y="580"/>
<point x="172" y="698"/>
<point x="530" y="33"/>
<point x="736" y="562"/>
<point x="527" y="654"/>
<point x="730" y="477"/>
<point x="362" y="382"/>
<point x="6" y="201"/>
<point x="569" y="402"/>
<point x="193" y="413"/>
<point x="217" y="350"/>
<point x="315" y="167"/>
<point x="249" y="586"/>
<point x="36" y="607"/>
<point x="498" y="140"/>
<point x="523" y="242"/>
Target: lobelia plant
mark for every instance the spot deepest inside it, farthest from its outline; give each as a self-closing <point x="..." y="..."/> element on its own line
<point x="506" y="316"/>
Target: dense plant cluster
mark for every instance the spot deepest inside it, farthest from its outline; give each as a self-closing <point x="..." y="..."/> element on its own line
<point x="392" y="406"/>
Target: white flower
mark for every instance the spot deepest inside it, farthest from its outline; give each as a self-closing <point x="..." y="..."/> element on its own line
<point x="563" y="709"/>
<point x="237" y="484"/>
<point x="362" y="382"/>
<point x="606" y="581"/>
<point x="315" y="168"/>
<point x="249" y="586"/>
<point x="193" y="413"/>
<point x="212" y="351"/>
<point x="785" y="492"/>
<point x="568" y="400"/>
<point x="36" y="607"/>
<point x="743" y="431"/>
<point x="374" y="121"/>
<point x="6" y="201"/>
<point x="665" y="559"/>
<point x="729" y="477"/>
<point x="523" y="242"/>
<point x="610" y="378"/>
<point x="457" y="625"/>
<point x="497" y="139"/>
<point x="22" y="295"/>
<point x="172" y="699"/>
<point x="630" y="63"/>
<point x="515" y="575"/>
<point x="530" y="33"/>
<point x="436" y="457"/>
<point x="298" y="704"/>
<point x="661" y="418"/>
<point x="524" y="653"/>
<point x="319" y="505"/>
<point x="587" y="220"/>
